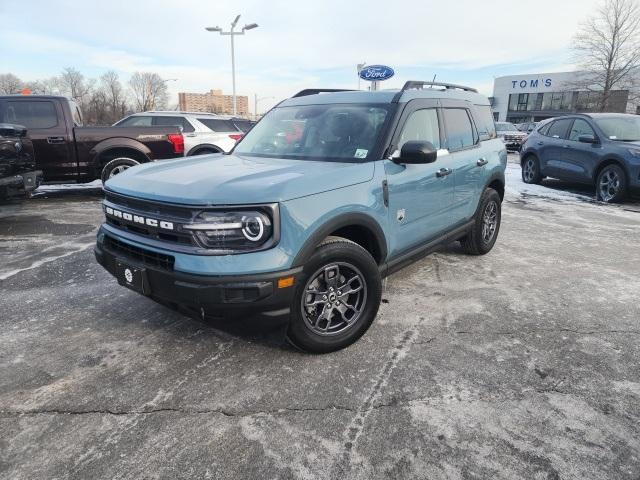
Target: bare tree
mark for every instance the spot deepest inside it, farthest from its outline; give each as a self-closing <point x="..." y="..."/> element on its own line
<point x="149" y="91"/>
<point x="607" y="48"/>
<point x="115" y="95"/>
<point x="47" y="86"/>
<point x="9" y="84"/>
<point x="73" y="83"/>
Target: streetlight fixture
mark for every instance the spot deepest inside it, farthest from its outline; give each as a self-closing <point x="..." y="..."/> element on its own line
<point x="233" y="33"/>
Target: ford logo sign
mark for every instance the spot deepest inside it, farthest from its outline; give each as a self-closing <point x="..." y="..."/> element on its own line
<point x="376" y="73"/>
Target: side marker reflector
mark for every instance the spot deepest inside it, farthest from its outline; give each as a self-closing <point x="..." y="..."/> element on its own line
<point x="285" y="282"/>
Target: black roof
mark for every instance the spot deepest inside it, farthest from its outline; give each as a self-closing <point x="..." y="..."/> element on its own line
<point x="37" y="97"/>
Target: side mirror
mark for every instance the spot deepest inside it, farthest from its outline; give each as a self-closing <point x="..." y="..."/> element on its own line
<point x="587" y="139"/>
<point x="416" y="151"/>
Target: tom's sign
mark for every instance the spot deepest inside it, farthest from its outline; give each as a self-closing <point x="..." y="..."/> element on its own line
<point x="531" y="83"/>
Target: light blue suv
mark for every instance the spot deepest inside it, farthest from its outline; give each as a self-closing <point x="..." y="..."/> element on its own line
<point x="330" y="192"/>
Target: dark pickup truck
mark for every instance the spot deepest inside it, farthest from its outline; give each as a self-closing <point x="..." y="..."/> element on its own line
<point x="18" y="174"/>
<point x="66" y="151"/>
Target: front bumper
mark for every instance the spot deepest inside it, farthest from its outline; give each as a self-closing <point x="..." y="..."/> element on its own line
<point x="21" y="183"/>
<point x="215" y="295"/>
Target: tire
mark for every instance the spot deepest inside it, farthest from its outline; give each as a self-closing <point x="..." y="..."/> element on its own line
<point x="531" y="170"/>
<point x="482" y="237"/>
<point x="611" y="184"/>
<point x="336" y="264"/>
<point x="116" y="166"/>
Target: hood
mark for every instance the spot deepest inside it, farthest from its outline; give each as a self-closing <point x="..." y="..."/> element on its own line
<point x="233" y="179"/>
<point x="515" y="133"/>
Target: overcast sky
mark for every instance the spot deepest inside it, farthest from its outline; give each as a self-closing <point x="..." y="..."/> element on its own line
<point x="299" y="44"/>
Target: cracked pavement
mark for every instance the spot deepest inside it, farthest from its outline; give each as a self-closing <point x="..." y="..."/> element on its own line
<point x="524" y="363"/>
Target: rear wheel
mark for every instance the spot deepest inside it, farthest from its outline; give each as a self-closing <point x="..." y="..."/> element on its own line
<point x="611" y="184"/>
<point x="336" y="299"/>
<point x="483" y="235"/>
<point x="531" y="170"/>
<point x="117" y="166"/>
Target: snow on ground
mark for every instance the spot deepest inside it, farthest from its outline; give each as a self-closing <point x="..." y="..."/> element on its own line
<point x="516" y="187"/>
<point x="96" y="184"/>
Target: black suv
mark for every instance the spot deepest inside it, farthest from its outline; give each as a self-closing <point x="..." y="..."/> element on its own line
<point x="601" y="149"/>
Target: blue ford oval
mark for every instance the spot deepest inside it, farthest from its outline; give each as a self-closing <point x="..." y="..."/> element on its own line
<point x="376" y="73"/>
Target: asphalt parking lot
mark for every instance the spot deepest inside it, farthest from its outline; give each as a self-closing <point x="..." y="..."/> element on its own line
<point x="524" y="363"/>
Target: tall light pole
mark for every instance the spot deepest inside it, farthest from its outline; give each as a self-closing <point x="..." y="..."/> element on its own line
<point x="232" y="33"/>
<point x="255" y="104"/>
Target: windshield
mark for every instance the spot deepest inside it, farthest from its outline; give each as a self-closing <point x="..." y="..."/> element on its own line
<point x="316" y="132"/>
<point x="506" y="127"/>
<point x="622" y="129"/>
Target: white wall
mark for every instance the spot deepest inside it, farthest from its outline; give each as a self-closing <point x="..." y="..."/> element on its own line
<point x="533" y="83"/>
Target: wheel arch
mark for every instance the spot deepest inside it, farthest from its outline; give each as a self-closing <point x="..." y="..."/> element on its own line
<point x="496" y="182"/>
<point x="204" y="146"/>
<point x="609" y="161"/>
<point x="106" y="149"/>
<point x="357" y="227"/>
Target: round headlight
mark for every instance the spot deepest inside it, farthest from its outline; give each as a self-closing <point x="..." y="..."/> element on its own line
<point x="253" y="228"/>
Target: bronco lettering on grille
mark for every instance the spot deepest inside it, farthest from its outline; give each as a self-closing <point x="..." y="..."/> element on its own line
<point x="130" y="217"/>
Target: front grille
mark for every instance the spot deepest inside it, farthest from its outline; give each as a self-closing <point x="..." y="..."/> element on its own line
<point x="512" y="138"/>
<point x="170" y="213"/>
<point x="146" y="257"/>
<point x="175" y="237"/>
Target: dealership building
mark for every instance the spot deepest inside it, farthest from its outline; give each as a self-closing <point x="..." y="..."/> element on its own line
<point x="531" y="98"/>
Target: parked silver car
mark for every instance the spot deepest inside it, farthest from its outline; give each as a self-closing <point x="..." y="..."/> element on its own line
<point x="510" y="135"/>
<point x="203" y="132"/>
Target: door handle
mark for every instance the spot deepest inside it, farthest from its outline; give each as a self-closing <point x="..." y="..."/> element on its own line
<point x="443" y="172"/>
<point x="190" y="135"/>
<point x="54" y="140"/>
<point x="567" y="146"/>
<point x="482" y="161"/>
<point x="540" y="143"/>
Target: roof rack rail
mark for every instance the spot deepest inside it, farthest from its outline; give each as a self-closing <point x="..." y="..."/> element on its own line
<point x="419" y="84"/>
<point x="314" y="91"/>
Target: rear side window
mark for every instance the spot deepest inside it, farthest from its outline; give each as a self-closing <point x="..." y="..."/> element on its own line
<point x="421" y="125"/>
<point x="174" y="122"/>
<point x="32" y="114"/>
<point x="218" y="124"/>
<point x="580" y="127"/>
<point x="460" y="132"/>
<point x="558" y="129"/>
<point x="544" y="130"/>
<point x="243" y="125"/>
<point x="486" y="126"/>
<point x="138" y="121"/>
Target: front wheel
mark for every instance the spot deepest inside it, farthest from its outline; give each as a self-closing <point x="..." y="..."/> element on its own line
<point x="611" y="184"/>
<point x="483" y="235"/>
<point x="531" y="170"/>
<point x="116" y="166"/>
<point x="337" y="297"/>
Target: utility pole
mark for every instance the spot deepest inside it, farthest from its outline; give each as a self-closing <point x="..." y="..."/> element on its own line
<point x="233" y="33"/>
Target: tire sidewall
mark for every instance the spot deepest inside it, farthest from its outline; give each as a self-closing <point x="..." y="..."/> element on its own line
<point x="301" y="335"/>
<point x="116" y="162"/>
<point x="489" y="195"/>
<point x="623" y="180"/>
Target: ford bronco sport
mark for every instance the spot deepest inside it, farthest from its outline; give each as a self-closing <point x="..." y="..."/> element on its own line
<point x="327" y="194"/>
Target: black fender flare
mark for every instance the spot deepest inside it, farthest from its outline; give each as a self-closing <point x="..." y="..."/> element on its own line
<point x="497" y="175"/>
<point x="344" y="220"/>
<point x="118" y="143"/>
<point x="208" y="146"/>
